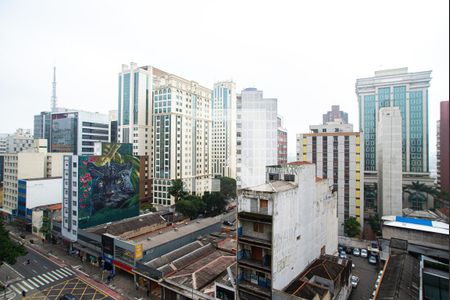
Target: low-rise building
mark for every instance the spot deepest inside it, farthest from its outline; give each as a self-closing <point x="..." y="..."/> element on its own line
<point x="283" y="226"/>
<point x="327" y="278"/>
<point x="42" y="219"/>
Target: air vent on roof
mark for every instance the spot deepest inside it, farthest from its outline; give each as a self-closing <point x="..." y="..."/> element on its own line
<point x="149" y="239"/>
<point x="160" y="232"/>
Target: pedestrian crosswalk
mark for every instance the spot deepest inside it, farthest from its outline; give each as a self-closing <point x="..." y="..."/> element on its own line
<point x="38" y="281"/>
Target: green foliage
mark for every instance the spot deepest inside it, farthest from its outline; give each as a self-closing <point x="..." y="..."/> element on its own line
<point x="374" y="222"/>
<point x="190" y="206"/>
<point x="46" y="229"/>
<point x="9" y="250"/>
<point x="215" y="203"/>
<point x="352" y="228"/>
<point x="177" y="191"/>
<point x="148" y="206"/>
<point x="228" y="187"/>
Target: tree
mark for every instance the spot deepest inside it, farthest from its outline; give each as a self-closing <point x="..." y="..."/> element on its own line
<point x="374" y="222"/>
<point x="352" y="228"/>
<point x="46" y="228"/>
<point x="228" y="187"/>
<point x="176" y="190"/>
<point x="417" y="194"/>
<point x="9" y="250"/>
<point x="148" y="206"/>
<point x="190" y="206"/>
<point x="215" y="203"/>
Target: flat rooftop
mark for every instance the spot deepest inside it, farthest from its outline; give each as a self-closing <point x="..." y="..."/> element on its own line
<point x="416" y="224"/>
<point x="273" y="187"/>
<point x="162" y="236"/>
<point x="126" y="225"/>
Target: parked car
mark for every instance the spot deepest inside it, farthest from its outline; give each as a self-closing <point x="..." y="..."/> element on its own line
<point x="349" y="250"/>
<point x="356" y="252"/>
<point x="228" y="223"/>
<point x="342" y="254"/>
<point x="364" y="253"/>
<point x="372" y="260"/>
<point x="355" y="281"/>
<point x="340" y="248"/>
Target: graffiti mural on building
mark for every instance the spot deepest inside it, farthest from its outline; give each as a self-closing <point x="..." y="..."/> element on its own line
<point x="108" y="186"/>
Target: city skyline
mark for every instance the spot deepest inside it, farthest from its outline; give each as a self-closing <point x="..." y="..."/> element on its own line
<point x="88" y="56"/>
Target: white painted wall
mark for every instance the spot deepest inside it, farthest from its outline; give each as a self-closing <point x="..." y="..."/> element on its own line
<point x="44" y="192"/>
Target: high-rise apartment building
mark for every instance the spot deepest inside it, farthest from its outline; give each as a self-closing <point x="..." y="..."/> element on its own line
<point x="282" y="148"/>
<point x="223" y="133"/>
<point x="389" y="162"/>
<point x="335" y="115"/>
<point x="19" y="141"/>
<point x="182" y="135"/>
<point x="443" y="154"/>
<point x="113" y="126"/>
<point x="336" y="151"/>
<point x="282" y="226"/>
<point x="256" y="137"/>
<point x="77" y="131"/>
<point x="42" y="126"/>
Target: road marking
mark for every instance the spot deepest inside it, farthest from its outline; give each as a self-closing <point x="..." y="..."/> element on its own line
<point x="38" y="281"/>
<point x="22" y="287"/>
<point x="36" y="261"/>
<point x="52" y="276"/>
<point x="16" y="290"/>
<point x="56" y="274"/>
<point x="51" y="280"/>
<point x="61" y="273"/>
<point x="29" y="286"/>
<point x="45" y="267"/>
<point x="68" y="270"/>
<point x="43" y="279"/>
<point x="65" y="271"/>
<point x="34" y="271"/>
<point x="32" y="282"/>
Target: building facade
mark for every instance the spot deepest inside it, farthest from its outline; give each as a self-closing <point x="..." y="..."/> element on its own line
<point x="27" y="165"/>
<point x="100" y="189"/>
<point x="389" y="154"/>
<point x="223" y="133"/>
<point x="37" y="192"/>
<point x="409" y="92"/>
<point x="19" y="141"/>
<point x="182" y="136"/>
<point x="443" y="144"/>
<point x="113" y="126"/>
<point x="283" y="225"/>
<point x="76" y="131"/>
<point x="282" y="148"/>
<point x="256" y="137"/>
<point x="42" y="125"/>
<point x="336" y="151"/>
<point x="335" y="115"/>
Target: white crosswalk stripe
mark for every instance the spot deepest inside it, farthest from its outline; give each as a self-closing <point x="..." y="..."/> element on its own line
<point x="47" y="277"/>
<point x="28" y="285"/>
<point x="32" y="282"/>
<point x="38" y="281"/>
<point x="52" y="276"/>
<point x="55" y="274"/>
<point x="43" y="279"/>
<point x="16" y="289"/>
<point x="61" y="273"/>
<point x="21" y="287"/>
<point x="65" y="272"/>
<point x="68" y="270"/>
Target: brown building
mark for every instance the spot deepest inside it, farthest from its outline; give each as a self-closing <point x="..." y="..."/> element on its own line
<point x="443" y="164"/>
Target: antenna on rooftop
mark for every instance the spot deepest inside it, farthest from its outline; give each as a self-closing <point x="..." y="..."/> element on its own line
<point x="54" y="90"/>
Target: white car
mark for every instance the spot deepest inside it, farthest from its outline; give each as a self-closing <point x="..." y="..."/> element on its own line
<point x="343" y="254"/>
<point x="364" y="253"/>
<point x="355" y="281"/>
<point x="356" y="252"/>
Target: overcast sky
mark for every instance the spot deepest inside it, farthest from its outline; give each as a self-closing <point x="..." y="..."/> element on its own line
<point x="307" y="54"/>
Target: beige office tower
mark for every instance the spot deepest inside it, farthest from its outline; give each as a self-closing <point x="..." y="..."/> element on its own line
<point x="389" y="161"/>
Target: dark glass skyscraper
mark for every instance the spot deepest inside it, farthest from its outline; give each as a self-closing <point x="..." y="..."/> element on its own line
<point x="42" y="126"/>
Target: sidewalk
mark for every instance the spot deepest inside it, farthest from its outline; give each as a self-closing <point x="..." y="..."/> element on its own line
<point x="122" y="286"/>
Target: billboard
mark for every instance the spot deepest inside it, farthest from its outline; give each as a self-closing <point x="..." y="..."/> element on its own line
<point x="108" y="186"/>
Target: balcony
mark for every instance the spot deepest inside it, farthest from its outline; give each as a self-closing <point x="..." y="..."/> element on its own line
<point x="258" y="286"/>
<point x="254" y="241"/>
<point x="246" y="258"/>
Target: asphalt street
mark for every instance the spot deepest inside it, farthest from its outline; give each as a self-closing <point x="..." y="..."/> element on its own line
<point x="367" y="274"/>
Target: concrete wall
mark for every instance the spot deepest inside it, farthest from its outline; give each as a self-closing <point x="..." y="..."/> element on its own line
<point x="247" y="229"/>
<point x="304" y="221"/>
<point x="428" y="239"/>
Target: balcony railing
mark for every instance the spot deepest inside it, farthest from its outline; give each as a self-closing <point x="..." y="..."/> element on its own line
<point x="245" y="257"/>
<point x="255" y="284"/>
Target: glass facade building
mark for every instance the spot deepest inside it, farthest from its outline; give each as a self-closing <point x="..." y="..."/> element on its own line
<point x="42" y="126"/>
<point x="407" y="91"/>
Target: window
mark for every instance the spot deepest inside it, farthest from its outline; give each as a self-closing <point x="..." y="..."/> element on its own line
<point x="258" y="227"/>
